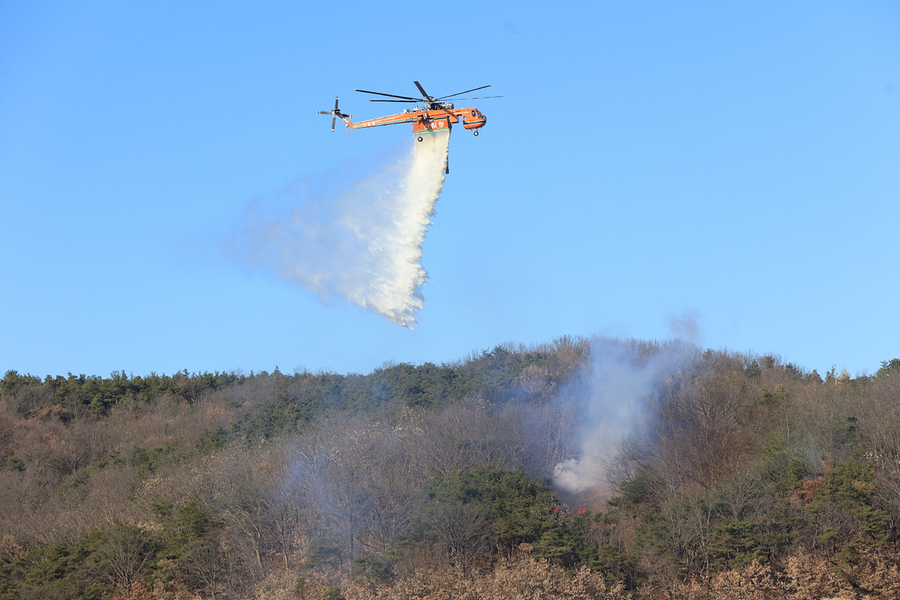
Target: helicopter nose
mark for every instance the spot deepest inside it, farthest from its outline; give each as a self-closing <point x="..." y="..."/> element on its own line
<point x="476" y="123"/>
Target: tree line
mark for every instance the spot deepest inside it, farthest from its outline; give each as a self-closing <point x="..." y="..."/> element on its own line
<point x="422" y="480"/>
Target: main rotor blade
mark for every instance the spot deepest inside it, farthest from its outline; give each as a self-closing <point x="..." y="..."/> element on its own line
<point x="424" y="93"/>
<point x="465" y="92"/>
<point x="406" y="101"/>
<point x="476" y="98"/>
<point x="325" y="112"/>
<point x="389" y="95"/>
<point x="333" y="119"/>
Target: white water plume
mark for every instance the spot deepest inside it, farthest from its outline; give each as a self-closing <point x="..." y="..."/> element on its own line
<point x="362" y="243"/>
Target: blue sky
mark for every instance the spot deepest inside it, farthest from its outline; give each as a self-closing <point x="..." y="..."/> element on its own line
<point x="733" y="166"/>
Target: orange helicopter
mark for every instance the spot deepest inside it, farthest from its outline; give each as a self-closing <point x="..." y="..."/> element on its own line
<point x="435" y="116"/>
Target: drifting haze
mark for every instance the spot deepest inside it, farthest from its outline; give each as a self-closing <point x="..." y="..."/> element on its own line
<point x="362" y="243"/>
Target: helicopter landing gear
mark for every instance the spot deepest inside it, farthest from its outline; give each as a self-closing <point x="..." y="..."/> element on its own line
<point x="475" y="132"/>
<point x="420" y="138"/>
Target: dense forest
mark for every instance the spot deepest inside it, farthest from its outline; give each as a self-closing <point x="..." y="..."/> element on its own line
<point x="735" y="476"/>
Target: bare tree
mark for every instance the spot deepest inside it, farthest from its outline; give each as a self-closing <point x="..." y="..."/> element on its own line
<point x="464" y="529"/>
<point x="212" y="568"/>
<point x="122" y="555"/>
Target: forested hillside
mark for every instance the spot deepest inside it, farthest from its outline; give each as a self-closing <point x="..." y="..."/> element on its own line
<point x="747" y="477"/>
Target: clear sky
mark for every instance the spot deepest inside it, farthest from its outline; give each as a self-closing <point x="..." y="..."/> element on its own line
<point x="726" y="171"/>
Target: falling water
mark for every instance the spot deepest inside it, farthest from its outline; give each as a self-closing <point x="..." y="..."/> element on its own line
<point x="363" y="243"/>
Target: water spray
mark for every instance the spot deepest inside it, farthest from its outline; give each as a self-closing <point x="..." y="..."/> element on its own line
<point x="362" y="244"/>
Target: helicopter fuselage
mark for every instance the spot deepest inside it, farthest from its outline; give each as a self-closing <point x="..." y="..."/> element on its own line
<point x="432" y="119"/>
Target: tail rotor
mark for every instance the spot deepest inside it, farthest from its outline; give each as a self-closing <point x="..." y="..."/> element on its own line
<point x="335" y="114"/>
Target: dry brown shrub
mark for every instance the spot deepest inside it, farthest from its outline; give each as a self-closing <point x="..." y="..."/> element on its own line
<point x="522" y="578"/>
<point x="10" y="549"/>
<point x="808" y="490"/>
<point x="875" y="576"/>
<point x="875" y="573"/>
<point x="277" y="585"/>
<point x="159" y="590"/>
<point x="811" y="577"/>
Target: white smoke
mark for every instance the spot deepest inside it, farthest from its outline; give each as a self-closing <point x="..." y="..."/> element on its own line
<point x="363" y="243"/>
<point x="622" y="382"/>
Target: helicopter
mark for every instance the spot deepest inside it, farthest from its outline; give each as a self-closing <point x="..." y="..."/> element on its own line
<point x="437" y="115"/>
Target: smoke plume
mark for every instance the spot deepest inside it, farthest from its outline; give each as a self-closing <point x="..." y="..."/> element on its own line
<point x="362" y="243"/>
<point x="624" y="377"/>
